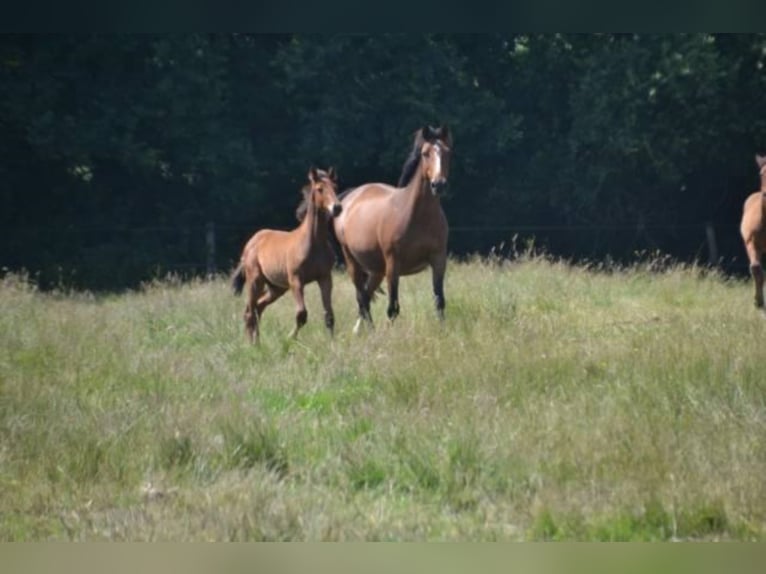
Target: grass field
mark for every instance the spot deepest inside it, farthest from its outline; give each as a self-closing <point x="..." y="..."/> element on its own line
<point x="555" y="403"/>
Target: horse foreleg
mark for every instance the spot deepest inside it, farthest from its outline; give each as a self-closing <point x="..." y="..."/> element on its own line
<point x="392" y="280"/>
<point x="438" y="269"/>
<point x="301" y="315"/>
<point x="325" y="288"/>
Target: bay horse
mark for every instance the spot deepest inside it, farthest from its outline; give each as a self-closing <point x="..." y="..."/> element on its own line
<point x="274" y="261"/>
<point x="753" y="230"/>
<point x="387" y="231"/>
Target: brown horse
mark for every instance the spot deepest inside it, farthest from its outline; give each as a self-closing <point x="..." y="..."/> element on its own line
<point x="753" y="230"/>
<point x="274" y="261"/>
<point x="387" y="231"/>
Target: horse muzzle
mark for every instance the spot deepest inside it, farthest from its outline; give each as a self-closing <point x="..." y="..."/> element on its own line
<point x="438" y="186"/>
<point x="336" y="209"/>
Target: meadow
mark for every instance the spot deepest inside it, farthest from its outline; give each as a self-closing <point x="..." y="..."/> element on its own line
<point x="556" y="402"/>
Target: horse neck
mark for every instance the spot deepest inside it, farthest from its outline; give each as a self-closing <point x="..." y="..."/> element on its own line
<point x="314" y="225"/>
<point x="417" y="191"/>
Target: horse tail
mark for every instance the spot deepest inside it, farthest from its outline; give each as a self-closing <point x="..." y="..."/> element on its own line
<point x="238" y="279"/>
<point x="333" y="237"/>
<point x="378" y="291"/>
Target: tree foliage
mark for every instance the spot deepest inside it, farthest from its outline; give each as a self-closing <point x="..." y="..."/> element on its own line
<point x="105" y="136"/>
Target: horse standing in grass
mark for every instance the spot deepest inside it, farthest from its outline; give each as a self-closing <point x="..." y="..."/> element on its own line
<point x="274" y="261"/>
<point x="387" y="231"/>
<point x="753" y="230"/>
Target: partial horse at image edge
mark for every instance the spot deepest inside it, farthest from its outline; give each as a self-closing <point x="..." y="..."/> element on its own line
<point x="753" y="230"/>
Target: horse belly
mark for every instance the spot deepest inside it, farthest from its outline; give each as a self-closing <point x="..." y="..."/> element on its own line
<point x="317" y="265"/>
<point x="414" y="261"/>
<point x="414" y="268"/>
<point x="361" y="241"/>
<point x="276" y="275"/>
<point x="416" y="252"/>
<point x="371" y="260"/>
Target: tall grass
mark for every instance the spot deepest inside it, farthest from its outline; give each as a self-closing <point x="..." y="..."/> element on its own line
<point x="556" y="402"/>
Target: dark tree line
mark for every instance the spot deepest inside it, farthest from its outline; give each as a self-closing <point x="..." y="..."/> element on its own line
<point x="118" y="149"/>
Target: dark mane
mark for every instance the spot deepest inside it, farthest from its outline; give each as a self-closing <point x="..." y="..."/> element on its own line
<point x="413" y="160"/>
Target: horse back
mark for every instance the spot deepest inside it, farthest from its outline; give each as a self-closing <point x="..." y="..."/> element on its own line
<point x="363" y="208"/>
<point x="264" y="241"/>
<point x="382" y="209"/>
<point x="369" y="192"/>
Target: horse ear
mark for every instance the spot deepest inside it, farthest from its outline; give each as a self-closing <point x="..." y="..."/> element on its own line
<point x="313" y="175"/>
<point x="427" y="133"/>
<point x="331" y="174"/>
<point x="760" y="160"/>
<point x="444" y="132"/>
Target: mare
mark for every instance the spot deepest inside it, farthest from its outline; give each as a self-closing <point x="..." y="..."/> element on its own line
<point x="753" y="230"/>
<point x="387" y="231"/>
<point x="274" y="261"/>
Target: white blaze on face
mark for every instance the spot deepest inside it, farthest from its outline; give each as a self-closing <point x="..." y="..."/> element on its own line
<point x="437" y="160"/>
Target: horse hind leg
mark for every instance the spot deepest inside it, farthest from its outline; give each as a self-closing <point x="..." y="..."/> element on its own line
<point x="301" y="315"/>
<point x="364" y="296"/>
<point x="272" y="293"/>
<point x="361" y="283"/>
<point x="325" y="288"/>
<point x="252" y="314"/>
<point x="756" y="271"/>
<point x="363" y="304"/>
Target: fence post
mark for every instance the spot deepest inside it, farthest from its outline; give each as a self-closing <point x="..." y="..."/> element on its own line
<point x="210" y="244"/>
<point x="712" y="246"/>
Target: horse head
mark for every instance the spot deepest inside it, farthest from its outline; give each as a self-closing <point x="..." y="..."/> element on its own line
<point x="435" y="155"/>
<point x="322" y="191"/>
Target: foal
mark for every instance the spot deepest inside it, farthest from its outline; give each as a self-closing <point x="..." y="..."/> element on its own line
<point x="753" y="230"/>
<point x="274" y="261"/>
<point x="390" y="232"/>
